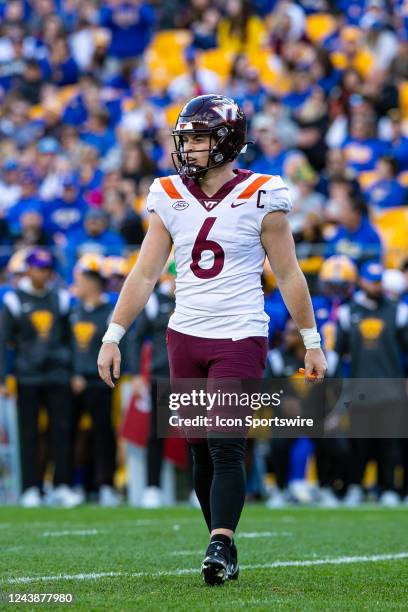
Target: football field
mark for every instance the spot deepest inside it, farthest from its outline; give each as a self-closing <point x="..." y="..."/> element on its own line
<point x="297" y="559"/>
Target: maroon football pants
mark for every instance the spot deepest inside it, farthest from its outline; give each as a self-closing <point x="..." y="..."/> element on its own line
<point x="193" y="357"/>
<point x="217" y="366"/>
<point x="218" y="462"/>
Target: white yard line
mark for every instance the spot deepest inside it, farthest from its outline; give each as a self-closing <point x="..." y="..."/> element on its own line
<point x="238" y="603"/>
<point x="140" y="522"/>
<point x="332" y="561"/>
<point x="185" y="553"/>
<point x="263" y="534"/>
<point x="93" y="576"/>
<point x="275" y="564"/>
<point x="77" y="532"/>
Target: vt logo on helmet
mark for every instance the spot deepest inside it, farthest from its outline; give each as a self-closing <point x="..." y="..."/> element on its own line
<point x="213" y="116"/>
<point x="228" y="112"/>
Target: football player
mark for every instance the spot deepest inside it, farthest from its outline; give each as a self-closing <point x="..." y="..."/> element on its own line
<point x="221" y="222"/>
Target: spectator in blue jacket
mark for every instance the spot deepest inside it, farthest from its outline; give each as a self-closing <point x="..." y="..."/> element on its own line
<point x="10" y="190"/>
<point x="96" y="132"/>
<point x="94" y="237"/>
<point x="398" y="143"/>
<point x="255" y="94"/>
<point x="355" y="236"/>
<point x="77" y="110"/>
<point x="387" y="191"/>
<point x="60" y="67"/>
<point x="65" y="214"/>
<point x="29" y="200"/>
<point x="130" y="23"/>
<point x="272" y="155"/>
<point x="361" y="148"/>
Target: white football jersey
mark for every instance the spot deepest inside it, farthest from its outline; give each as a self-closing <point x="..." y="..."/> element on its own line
<point x="218" y="251"/>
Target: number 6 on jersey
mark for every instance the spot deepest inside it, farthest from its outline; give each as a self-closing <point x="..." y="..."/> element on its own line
<point x="202" y="244"/>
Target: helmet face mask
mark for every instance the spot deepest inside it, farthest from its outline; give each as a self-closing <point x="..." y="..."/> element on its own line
<point x="215" y="116"/>
<point x="183" y="160"/>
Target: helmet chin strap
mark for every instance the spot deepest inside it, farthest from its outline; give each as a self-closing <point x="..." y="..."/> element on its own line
<point x="199" y="172"/>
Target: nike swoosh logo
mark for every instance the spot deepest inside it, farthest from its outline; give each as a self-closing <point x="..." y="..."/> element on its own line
<point x="236" y="204"/>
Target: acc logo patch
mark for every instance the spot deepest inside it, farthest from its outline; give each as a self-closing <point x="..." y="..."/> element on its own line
<point x="180" y="205"/>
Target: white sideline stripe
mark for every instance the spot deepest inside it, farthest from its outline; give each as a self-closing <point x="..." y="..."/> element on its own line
<point x="251" y="602"/>
<point x="78" y="532"/>
<point x="182" y="572"/>
<point x="93" y="576"/>
<point x="181" y="553"/>
<point x="141" y="522"/>
<point x="263" y="534"/>
<point x="334" y="561"/>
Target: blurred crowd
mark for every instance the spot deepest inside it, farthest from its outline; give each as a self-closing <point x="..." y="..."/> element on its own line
<point x="89" y="92"/>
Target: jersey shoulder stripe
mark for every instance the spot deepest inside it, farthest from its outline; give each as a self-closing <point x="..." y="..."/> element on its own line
<point x="168" y="186"/>
<point x="254" y="186"/>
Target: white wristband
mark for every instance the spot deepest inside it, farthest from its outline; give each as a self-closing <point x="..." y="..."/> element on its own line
<point x="311" y="338"/>
<point x="114" y="333"/>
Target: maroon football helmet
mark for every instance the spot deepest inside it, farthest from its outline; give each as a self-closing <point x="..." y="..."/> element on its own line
<point x="220" y="118"/>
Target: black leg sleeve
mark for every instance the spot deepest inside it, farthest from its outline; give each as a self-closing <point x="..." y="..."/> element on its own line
<point x="227" y="495"/>
<point x="202" y="477"/>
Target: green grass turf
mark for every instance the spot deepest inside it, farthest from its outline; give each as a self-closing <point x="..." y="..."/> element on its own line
<point x="130" y="540"/>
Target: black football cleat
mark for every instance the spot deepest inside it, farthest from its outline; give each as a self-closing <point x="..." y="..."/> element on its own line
<point x="215" y="566"/>
<point x="233" y="566"/>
